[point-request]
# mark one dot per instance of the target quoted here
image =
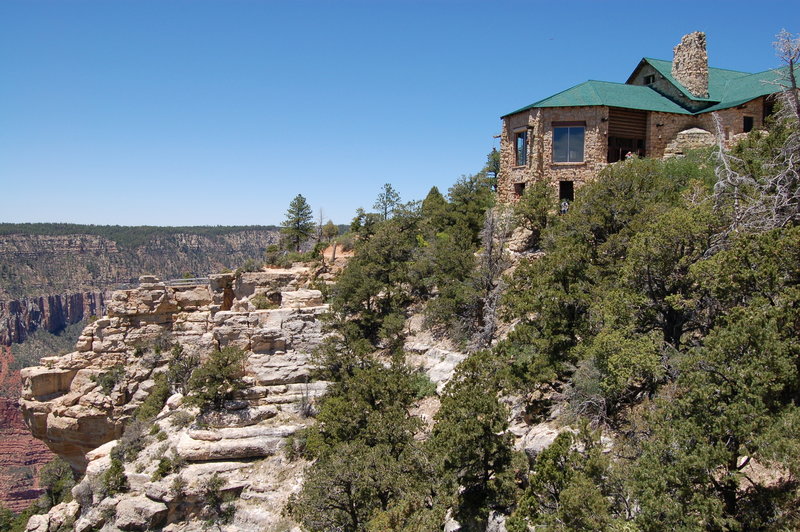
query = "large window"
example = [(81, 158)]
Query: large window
[(568, 143), (521, 147)]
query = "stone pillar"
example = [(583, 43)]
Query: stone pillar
[(690, 64)]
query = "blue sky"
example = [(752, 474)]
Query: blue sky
[(220, 112)]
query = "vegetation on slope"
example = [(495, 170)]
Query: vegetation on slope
[(655, 315)]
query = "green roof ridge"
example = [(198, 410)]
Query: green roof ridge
[(727, 88)]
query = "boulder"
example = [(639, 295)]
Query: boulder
[(140, 513), (301, 298), (539, 437), (689, 139), (232, 443)]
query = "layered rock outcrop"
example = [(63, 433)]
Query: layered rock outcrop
[(83, 404), (65, 406)]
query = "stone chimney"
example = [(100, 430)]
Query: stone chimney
[(690, 64)]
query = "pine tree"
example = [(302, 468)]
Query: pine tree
[(387, 201), (299, 222)]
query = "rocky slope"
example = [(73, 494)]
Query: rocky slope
[(65, 407), (241, 452)]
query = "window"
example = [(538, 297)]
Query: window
[(566, 191), (521, 147), (748, 124), (649, 80), (568, 142), (519, 189)]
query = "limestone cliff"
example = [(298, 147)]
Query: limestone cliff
[(64, 404)]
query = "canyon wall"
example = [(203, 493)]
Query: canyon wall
[(49, 281), (21, 455), (21, 317)]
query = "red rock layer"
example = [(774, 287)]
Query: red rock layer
[(21, 455)]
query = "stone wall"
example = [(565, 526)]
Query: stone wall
[(662, 129), (665, 87), (690, 64), (540, 164)]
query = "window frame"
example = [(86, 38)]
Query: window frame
[(520, 158), (569, 126)]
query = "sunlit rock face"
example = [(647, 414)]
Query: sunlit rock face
[(65, 406)]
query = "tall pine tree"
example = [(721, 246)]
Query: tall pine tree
[(299, 222)]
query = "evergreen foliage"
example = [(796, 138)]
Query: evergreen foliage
[(217, 379), (387, 201), (57, 479), (660, 311), (645, 314), (299, 222), (370, 471)]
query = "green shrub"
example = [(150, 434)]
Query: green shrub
[(262, 302), (113, 479), (218, 507), (164, 468), (181, 419), (346, 242), (216, 380), (162, 342), (295, 446), (250, 265), (422, 385), (131, 443), (154, 402), (272, 254), (57, 479), (178, 486), (109, 380), (181, 366)]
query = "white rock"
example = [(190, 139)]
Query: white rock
[(175, 401), (301, 298), (140, 513), (540, 437)]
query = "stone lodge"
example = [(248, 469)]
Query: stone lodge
[(662, 109)]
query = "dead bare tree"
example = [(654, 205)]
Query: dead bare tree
[(785, 184), (761, 203), (787, 47), (492, 262)]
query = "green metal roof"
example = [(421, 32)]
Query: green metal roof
[(726, 88), (745, 88), (718, 78), (609, 94)]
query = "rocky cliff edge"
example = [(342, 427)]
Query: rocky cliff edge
[(72, 404)]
